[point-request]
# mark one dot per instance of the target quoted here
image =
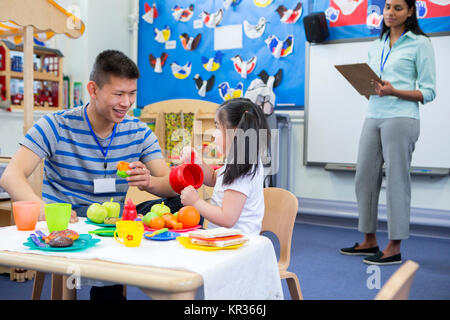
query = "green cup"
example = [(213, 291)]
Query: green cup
[(57, 216)]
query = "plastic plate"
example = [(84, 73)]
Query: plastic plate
[(163, 236), (83, 242), (99, 224), (178, 230)]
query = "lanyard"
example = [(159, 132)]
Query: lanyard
[(102, 149), (382, 63)]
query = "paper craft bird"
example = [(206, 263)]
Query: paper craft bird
[(162, 35), (262, 3), (181, 72), (158, 63), (212, 64), (280, 48), (275, 82), (290, 15), (255, 31), (228, 3), (227, 93), (181, 14), (190, 43), (211, 20), (151, 13), (244, 67), (203, 86)]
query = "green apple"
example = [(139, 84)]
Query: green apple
[(97, 213), (148, 217), (160, 209), (113, 209)]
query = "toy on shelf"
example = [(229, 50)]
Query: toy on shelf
[(129, 211)]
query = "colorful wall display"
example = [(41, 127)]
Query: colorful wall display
[(214, 50)]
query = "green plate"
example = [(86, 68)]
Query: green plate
[(83, 242), (99, 224)]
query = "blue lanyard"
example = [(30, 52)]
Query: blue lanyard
[(102, 149), (382, 63)]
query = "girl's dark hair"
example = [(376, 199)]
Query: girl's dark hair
[(411, 23), (113, 63), (250, 123)]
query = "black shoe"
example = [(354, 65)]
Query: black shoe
[(352, 251), (378, 260)]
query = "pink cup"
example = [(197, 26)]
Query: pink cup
[(26, 214)]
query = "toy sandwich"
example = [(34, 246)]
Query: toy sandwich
[(217, 237)]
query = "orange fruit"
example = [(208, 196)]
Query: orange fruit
[(188, 216), (157, 223)]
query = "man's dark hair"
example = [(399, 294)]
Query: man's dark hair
[(112, 63)]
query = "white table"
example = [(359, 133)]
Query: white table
[(161, 269)]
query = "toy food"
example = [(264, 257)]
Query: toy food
[(129, 211), (97, 213), (217, 237), (160, 209), (170, 221), (111, 220), (61, 242), (148, 217), (112, 208), (122, 168), (188, 216), (63, 233), (157, 223)]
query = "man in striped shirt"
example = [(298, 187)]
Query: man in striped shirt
[(82, 146)]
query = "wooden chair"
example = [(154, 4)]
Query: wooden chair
[(281, 208), (399, 284)]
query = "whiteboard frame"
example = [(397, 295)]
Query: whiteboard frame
[(308, 45)]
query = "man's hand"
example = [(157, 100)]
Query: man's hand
[(139, 176), (73, 217)]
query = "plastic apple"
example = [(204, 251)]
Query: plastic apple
[(113, 208), (148, 217), (160, 209), (97, 213)]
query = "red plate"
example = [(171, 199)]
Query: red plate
[(179, 230)]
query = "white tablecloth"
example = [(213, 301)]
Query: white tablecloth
[(249, 272)]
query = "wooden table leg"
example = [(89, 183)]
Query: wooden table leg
[(37, 285), (57, 286), (158, 295)]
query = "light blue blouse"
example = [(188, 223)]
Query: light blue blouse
[(409, 66)]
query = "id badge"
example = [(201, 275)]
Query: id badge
[(105, 185)]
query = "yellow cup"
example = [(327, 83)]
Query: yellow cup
[(129, 233)]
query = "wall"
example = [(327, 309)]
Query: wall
[(332, 193)]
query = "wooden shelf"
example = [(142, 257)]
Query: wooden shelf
[(42, 76)]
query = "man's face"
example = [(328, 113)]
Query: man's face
[(115, 98)]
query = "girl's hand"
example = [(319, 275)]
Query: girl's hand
[(189, 196), (384, 88)]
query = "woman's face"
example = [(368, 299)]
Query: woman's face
[(396, 12)]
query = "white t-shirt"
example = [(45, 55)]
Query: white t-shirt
[(252, 214)]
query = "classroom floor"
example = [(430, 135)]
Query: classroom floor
[(322, 271)]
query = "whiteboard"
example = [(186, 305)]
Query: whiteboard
[(335, 112)]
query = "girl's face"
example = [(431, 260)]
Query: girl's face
[(220, 136), (396, 12)]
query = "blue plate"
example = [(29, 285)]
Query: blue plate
[(83, 242), (169, 235)]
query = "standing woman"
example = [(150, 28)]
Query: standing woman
[(404, 58)]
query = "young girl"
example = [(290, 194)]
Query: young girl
[(403, 57), (238, 198)]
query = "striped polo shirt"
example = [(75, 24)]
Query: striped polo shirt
[(73, 159)]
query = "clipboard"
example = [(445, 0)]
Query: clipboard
[(359, 75)]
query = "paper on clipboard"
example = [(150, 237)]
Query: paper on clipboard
[(359, 75)]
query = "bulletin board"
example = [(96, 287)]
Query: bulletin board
[(154, 86)]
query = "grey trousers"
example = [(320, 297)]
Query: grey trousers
[(392, 142)]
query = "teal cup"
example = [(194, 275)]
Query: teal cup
[(57, 216)]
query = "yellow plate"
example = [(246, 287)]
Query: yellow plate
[(186, 242)]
